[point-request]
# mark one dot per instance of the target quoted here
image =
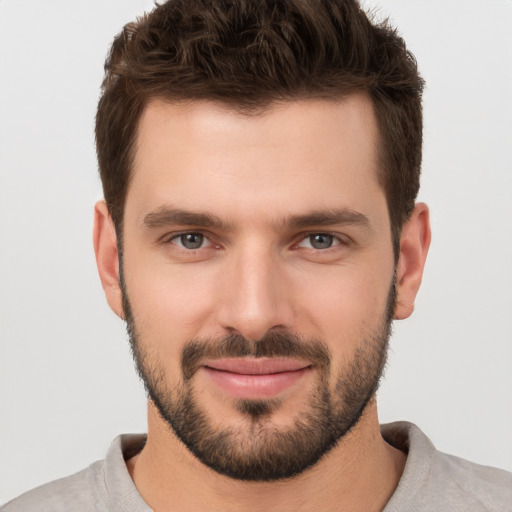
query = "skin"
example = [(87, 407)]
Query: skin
[(259, 273)]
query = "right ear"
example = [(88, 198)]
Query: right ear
[(107, 257)]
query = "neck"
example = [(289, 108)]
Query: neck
[(359, 474)]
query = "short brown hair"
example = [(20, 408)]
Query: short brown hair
[(248, 54)]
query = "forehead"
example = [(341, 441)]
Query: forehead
[(296, 155)]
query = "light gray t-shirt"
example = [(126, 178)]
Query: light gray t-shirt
[(432, 481)]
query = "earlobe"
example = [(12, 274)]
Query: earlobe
[(414, 244), (107, 256)]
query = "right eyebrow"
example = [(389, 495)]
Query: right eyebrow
[(166, 216)]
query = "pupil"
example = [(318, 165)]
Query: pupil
[(321, 241), (192, 240)]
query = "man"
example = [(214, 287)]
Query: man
[(260, 163)]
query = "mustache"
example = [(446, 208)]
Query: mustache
[(273, 344)]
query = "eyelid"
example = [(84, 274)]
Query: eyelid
[(169, 238), (339, 239)]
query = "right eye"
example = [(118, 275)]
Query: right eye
[(190, 241)]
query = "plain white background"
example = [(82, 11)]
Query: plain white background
[(67, 381)]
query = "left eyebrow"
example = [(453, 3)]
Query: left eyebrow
[(320, 218)]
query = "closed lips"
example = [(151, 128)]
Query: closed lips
[(256, 366), (255, 378)]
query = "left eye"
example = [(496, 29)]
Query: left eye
[(319, 241), (190, 241)]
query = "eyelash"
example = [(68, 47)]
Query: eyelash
[(334, 239), (178, 236), (338, 240)]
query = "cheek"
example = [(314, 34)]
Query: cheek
[(344, 305), (339, 304), (170, 305)]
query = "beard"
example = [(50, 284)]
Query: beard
[(260, 450)]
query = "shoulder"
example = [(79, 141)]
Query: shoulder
[(104, 486), (483, 487), (433, 480), (73, 492)]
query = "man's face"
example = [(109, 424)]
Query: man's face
[(258, 277)]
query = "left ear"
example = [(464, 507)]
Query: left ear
[(414, 244)]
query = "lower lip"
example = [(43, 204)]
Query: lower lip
[(254, 386)]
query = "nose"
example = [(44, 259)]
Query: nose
[(254, 296)]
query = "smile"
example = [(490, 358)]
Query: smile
[(255, 378)]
